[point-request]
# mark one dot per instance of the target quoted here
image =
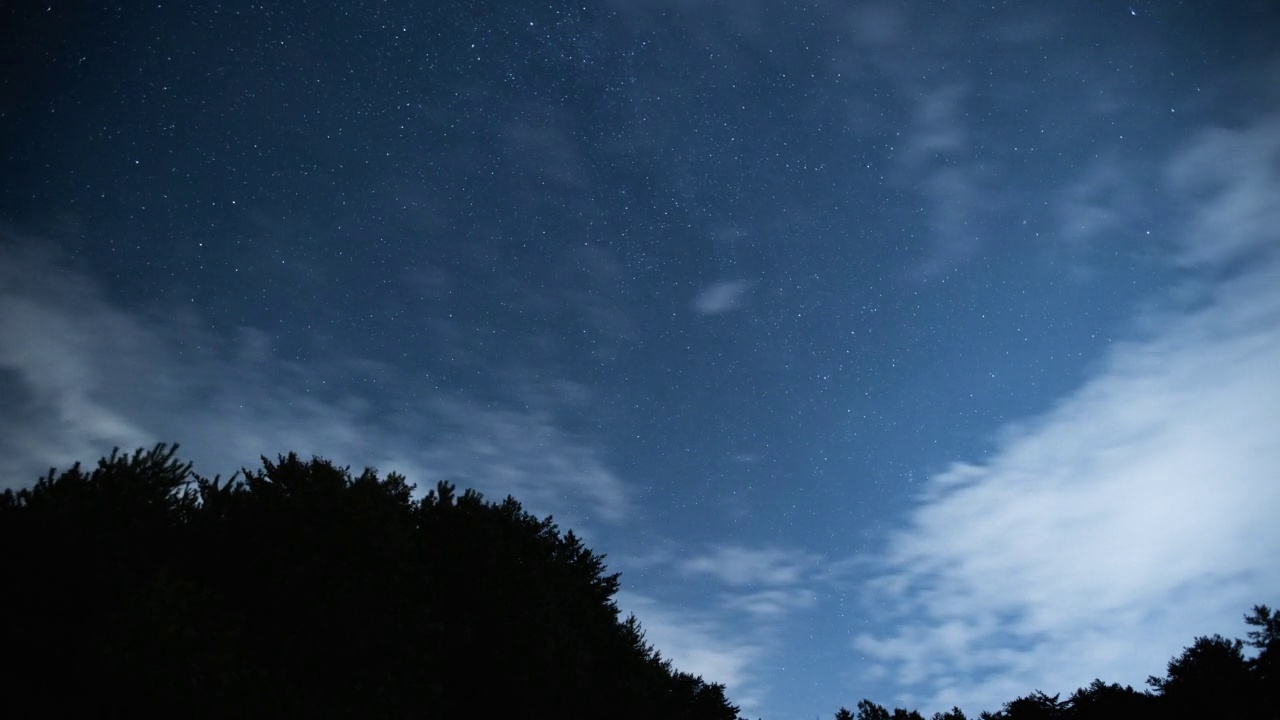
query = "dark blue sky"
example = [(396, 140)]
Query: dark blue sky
[(915, 351)]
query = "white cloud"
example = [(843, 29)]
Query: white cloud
[(59, 404), (1102, 537), (741, 566), (771, 604), (697, 643), (524, 454), (720, 297), (1231, 176), (728, 612), (81, 375)]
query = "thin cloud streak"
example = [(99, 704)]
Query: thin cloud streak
[(1100, 538), (741, 566)]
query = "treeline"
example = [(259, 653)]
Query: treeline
[(1213, 679), (139, 589)]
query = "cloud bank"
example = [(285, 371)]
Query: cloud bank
[(1102, 537)]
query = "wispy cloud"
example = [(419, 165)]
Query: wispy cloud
[(1100, 538), (739, 566), (720, 297), (525, 454), (1230, 177), (81, 374), (1099, 204), (766, 583), (772, 604), (728, 619), (699, 642), (60, 403)]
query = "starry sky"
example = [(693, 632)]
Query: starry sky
[(918, 351)]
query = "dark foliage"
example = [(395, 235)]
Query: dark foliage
[(1266, 666), (300, 590), (1209, 679), (868, 710), (1100, 701)]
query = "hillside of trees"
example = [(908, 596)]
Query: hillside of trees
[(302, 590)]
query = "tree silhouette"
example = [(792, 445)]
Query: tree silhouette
[(1210, 678), (1036, 706), (1266, 666), (868, 710), (302, 590), (1100, 701)]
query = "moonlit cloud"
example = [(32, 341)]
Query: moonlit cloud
[(60, 366), (1231, 177), (1099, 538), (740, 566), (84, 375), (733, 611), (697, 642), (524, 454), (1098, 205), (720, 297), (771, 604)]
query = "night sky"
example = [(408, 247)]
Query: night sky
[(918, 351)]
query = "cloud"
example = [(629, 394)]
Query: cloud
[(1231, 175), (740, 566), (937, 127), (772, 604), (60, 407), (877, 25), (524, 454), (697, 643), (1102, 537), (767, 584), (720, 297), (727, 611), (82, 374), (939, 162), (1099, 204)]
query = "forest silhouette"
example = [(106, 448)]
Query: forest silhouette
[(300, 589)]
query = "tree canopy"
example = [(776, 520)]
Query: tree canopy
[(302, 590)]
